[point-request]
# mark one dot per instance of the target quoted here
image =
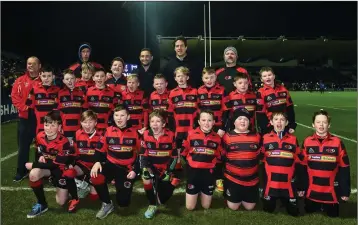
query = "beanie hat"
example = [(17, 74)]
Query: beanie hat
[(241, 112), (230, 48)]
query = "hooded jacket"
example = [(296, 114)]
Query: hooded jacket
[(76, 68)]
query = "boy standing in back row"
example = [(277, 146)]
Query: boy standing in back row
[(273, 97)]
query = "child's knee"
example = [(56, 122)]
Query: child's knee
[(60, 202)]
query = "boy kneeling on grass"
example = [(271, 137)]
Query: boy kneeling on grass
[(158, 159), (117, 156), (241, 147), (202, 148), (85, 143), (56, 160)]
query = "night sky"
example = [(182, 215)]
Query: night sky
[(53, 30)]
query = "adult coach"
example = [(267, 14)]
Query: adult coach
[(84, 53), (225, 75), (26, 127), (146, 71), (181, 58)]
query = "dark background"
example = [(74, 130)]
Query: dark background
[(54, 30)]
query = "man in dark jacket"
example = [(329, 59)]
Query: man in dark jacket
[(146, 71), (181, 58), (84, 53)]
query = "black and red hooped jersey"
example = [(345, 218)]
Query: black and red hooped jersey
[(158, 152), (85, 146), (276, 99), (214, 99), (241, 151), (183, 103), (102, 102), (137, 106), (84, 85), (158, 101), (323, 160), (117, 85), (57, 151), (225, 76), (71, 104), (202, 150), (43, 100), (280, 157), (121, 145)]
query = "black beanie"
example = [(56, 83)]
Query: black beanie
[(240, 112)]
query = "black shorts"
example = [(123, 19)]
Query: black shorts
[(237, 193), (165, 190), (332, 209), (200, 180), (86, 172), (118, 173), (57, 179)]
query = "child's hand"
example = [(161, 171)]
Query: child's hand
[(131, 175), (344, 198), (301, 193), (28, 166), (108, 75), (141, 131), (291, 131), (42, 159), (221, 133), (94, 171)]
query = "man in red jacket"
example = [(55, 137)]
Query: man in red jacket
[(27, 121)]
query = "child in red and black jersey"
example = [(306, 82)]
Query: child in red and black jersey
[(71, 102), (213, 96), (158, 160), (42, 97), (241, 147), (137, 105), (159, 98), (273, 97), (280, 151), (85, 143), (183, 108), (116, 159), (183, 105), (117, 81), (327, 164), (202, 148), (101, 100), (240, 98), (86, 81), (56, 155)]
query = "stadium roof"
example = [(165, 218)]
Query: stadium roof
[(280, 49)]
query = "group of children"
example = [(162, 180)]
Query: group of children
[(108, 131)]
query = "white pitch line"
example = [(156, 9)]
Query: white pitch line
[(345, 138), (179, 190), (322, 106), (8, 156)]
